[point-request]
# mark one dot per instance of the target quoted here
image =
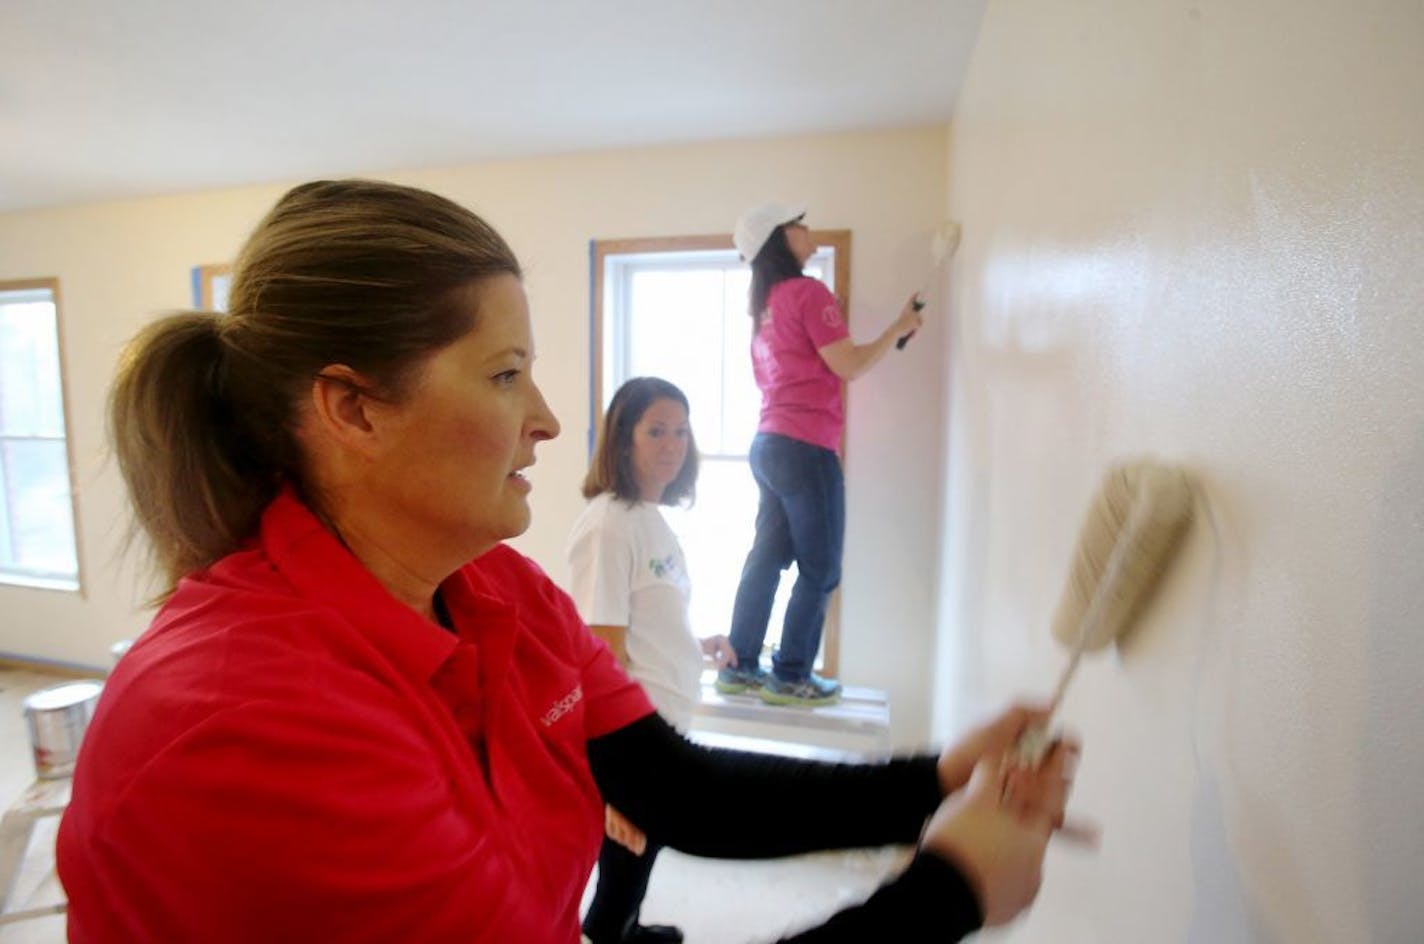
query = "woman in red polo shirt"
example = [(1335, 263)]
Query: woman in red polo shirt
[(358, 716)]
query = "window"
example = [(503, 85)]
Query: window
[(677, 308), (37, 539), (210, 287)]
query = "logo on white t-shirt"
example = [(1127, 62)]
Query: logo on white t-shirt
[(663, 566)]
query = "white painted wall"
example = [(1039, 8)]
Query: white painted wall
[(120, 263), (1194, 229)]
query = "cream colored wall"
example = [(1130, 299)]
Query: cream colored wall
[(119, 263), (1194, 229)]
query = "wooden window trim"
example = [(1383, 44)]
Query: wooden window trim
[(52, 284)]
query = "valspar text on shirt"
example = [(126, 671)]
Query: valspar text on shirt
[(563, 706)]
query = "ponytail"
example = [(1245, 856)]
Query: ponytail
[(197, 484), (774, 264)]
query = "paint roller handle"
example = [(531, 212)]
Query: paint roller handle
[(945, 242), (1035, 741), (1032, 746), (991, 738), (917, 304)]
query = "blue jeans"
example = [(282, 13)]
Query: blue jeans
[(801, 518)]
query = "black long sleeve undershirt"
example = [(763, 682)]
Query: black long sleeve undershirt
[(730, 804)]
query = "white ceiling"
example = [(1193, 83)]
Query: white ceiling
[(101, 99)]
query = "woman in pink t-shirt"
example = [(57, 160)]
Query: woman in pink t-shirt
[(802, 352)]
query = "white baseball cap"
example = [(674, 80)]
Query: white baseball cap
[(756, 226)]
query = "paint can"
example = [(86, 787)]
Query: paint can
[(57, 718)]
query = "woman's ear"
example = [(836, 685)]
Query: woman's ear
[(342, 407)]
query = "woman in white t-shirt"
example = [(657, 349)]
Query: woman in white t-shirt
[(631, 586)]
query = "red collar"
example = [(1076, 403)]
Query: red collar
[(324, 571)]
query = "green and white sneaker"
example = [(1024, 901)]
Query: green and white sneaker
[(735, 681), (809, 692)]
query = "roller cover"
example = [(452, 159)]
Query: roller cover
[(1144, 507)]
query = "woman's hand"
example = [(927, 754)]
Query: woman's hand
[(617, 827), (999, 854), (996, 831), (989, 740), (719, 650), (910, 319), (1041, 793)]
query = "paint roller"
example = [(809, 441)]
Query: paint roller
[(1127, 542), (942, 246)]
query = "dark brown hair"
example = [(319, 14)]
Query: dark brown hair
[(611, 468), (774, 264), (202, 413)]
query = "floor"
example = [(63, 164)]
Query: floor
[(35, 883), (714, 902)]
